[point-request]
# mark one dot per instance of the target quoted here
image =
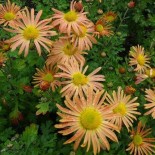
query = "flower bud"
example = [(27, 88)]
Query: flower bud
[(78, 6), (122, 70), (44, 85), (131, 4)]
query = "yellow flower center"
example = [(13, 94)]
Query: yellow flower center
[(90, 118), (48, 77), (79, 79), (110, 18), (69, 50), (137, 140), (70, 16), (9, 16), (30, 32), (141, 59), (120, 109), (99, 28), (150, 72), (82, 32)]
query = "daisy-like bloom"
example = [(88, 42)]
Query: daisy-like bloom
[(102, 28), (8, 13), (76, 79), (85, 39), (125, 108), (109, 16), (63, 51), (139, 59), (141, 144), (30, 29), (3, 58), (150, 97), (71, 20), (149, 73), (44, 78), (88, 119)]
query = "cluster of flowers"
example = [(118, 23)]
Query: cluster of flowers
[(90, 113), (141, 61)]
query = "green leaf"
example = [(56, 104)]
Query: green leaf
[(30, 134), (144, 119), (43, 108)]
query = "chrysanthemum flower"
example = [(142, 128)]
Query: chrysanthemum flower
[(28, 29), (141, 144), (71, 20), (44, 78), (85, 39), (109, 16), (76, 79), (140, 78), (63, 51), (8, 13), (150, 97), (102, 29), (3, 58), (88, 119), (125, 108), (139, 59), (149, 73)]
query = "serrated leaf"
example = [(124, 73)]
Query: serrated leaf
[(30, 134), (43, 108)]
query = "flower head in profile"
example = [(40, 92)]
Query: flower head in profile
[(109, 16), (141, 144), (75, 79), (29, 29), (139, 59), (85, 38), (125, 108), (150, 97), (149, 73), (64, 51), (102, 28), (71, 20), (45, 79), (9, 13), (88, 119)]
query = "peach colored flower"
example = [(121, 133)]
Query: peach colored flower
[(71, 20), (102, 28), (150, 97), (141, 144), (88, 119), (149, 73), (75, 79), (44, 78), (85, 39), (8, 13), (63, 51), (125, 108), (139, 59), (30, 29)]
